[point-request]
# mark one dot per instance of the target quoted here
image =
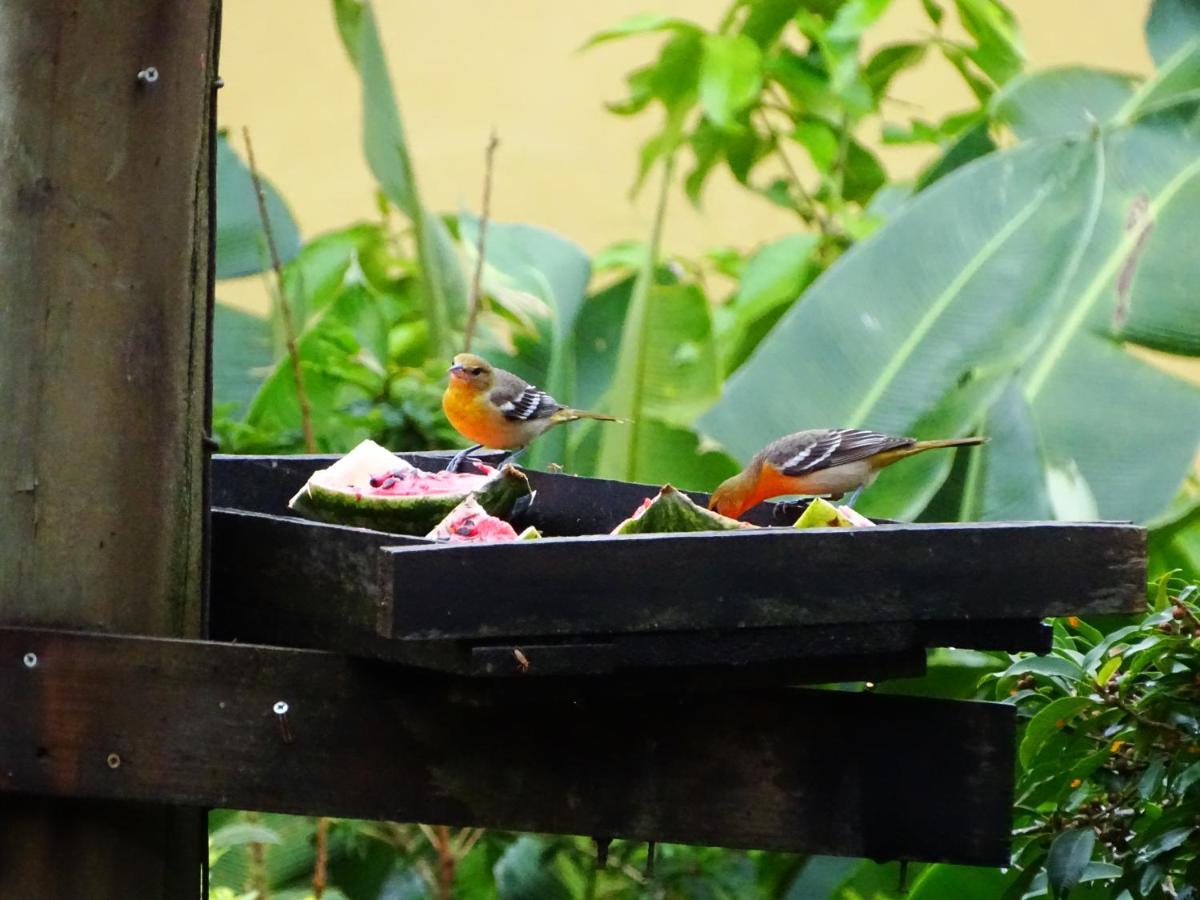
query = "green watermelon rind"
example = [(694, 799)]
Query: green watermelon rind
[(415, 515), (672, 512)]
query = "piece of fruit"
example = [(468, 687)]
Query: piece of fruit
[(372, 488), (470, 523), (672, 511), (821, 513)]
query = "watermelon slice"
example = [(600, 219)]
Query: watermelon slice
[(672, 511), (372, 488), (470, 523)]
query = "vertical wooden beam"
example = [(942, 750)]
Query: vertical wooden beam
[(105, 285)]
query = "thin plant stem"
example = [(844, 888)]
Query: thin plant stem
[(285, 309), (476, 291), (640, 300), (256, 870), (320, 879), (447, 862), (814, 208)]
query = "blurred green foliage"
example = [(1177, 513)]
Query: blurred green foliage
[(998, 292)]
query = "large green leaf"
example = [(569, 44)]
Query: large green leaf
[(1069, 856), (385, 144), (944, 882), (598, 341), (526, 872), (1157, 296), (1008, 481), (667, 369), (1004, 272), (1177, 83), (241, 243), (241, 355), (1072, 99), (1170, 25)]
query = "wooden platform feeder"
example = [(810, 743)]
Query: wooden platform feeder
[(637, 687)]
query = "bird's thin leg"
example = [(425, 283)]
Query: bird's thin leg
[(853, 496), (457, 459), (508, 459)]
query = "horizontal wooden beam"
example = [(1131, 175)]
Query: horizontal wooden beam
[(187, 722)]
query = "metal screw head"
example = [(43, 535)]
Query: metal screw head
[(113, 760), (30, 660), (280, 708), (148, 75)]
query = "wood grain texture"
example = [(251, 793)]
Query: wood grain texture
[(809, 771), (781, 577), (104, 236), (289, 582)]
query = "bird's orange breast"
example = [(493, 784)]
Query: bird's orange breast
[(474, 417)]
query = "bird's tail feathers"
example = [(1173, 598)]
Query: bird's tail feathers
[(887, 457), (949, 442), (570, 415)]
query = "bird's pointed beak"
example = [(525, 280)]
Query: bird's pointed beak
[(457, 371)]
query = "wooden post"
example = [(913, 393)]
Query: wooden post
[(105, 279)]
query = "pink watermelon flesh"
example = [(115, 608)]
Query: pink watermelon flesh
[(480, 528), (470, 523), (418, 483)]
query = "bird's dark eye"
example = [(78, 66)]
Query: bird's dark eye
[(477, 371)]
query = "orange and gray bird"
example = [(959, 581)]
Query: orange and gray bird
[(497, 409), (819, 462)]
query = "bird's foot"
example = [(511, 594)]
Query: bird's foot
[(457, 459), (788, 511)]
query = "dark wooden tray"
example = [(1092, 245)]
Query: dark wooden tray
[(801, 606)]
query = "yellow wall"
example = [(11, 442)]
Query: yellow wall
[(462, 66)]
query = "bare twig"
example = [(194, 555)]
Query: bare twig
[(447, 862), (285, 310), (256, 870), (814, 208), (320, 879), (466, 840), (839, 172), (476, 292)]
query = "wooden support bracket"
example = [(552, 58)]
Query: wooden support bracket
[(229, 725)]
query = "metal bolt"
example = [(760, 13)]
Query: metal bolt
[(219, 83), (30, 660), (281, 710), (148, 75), (113, 760)]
